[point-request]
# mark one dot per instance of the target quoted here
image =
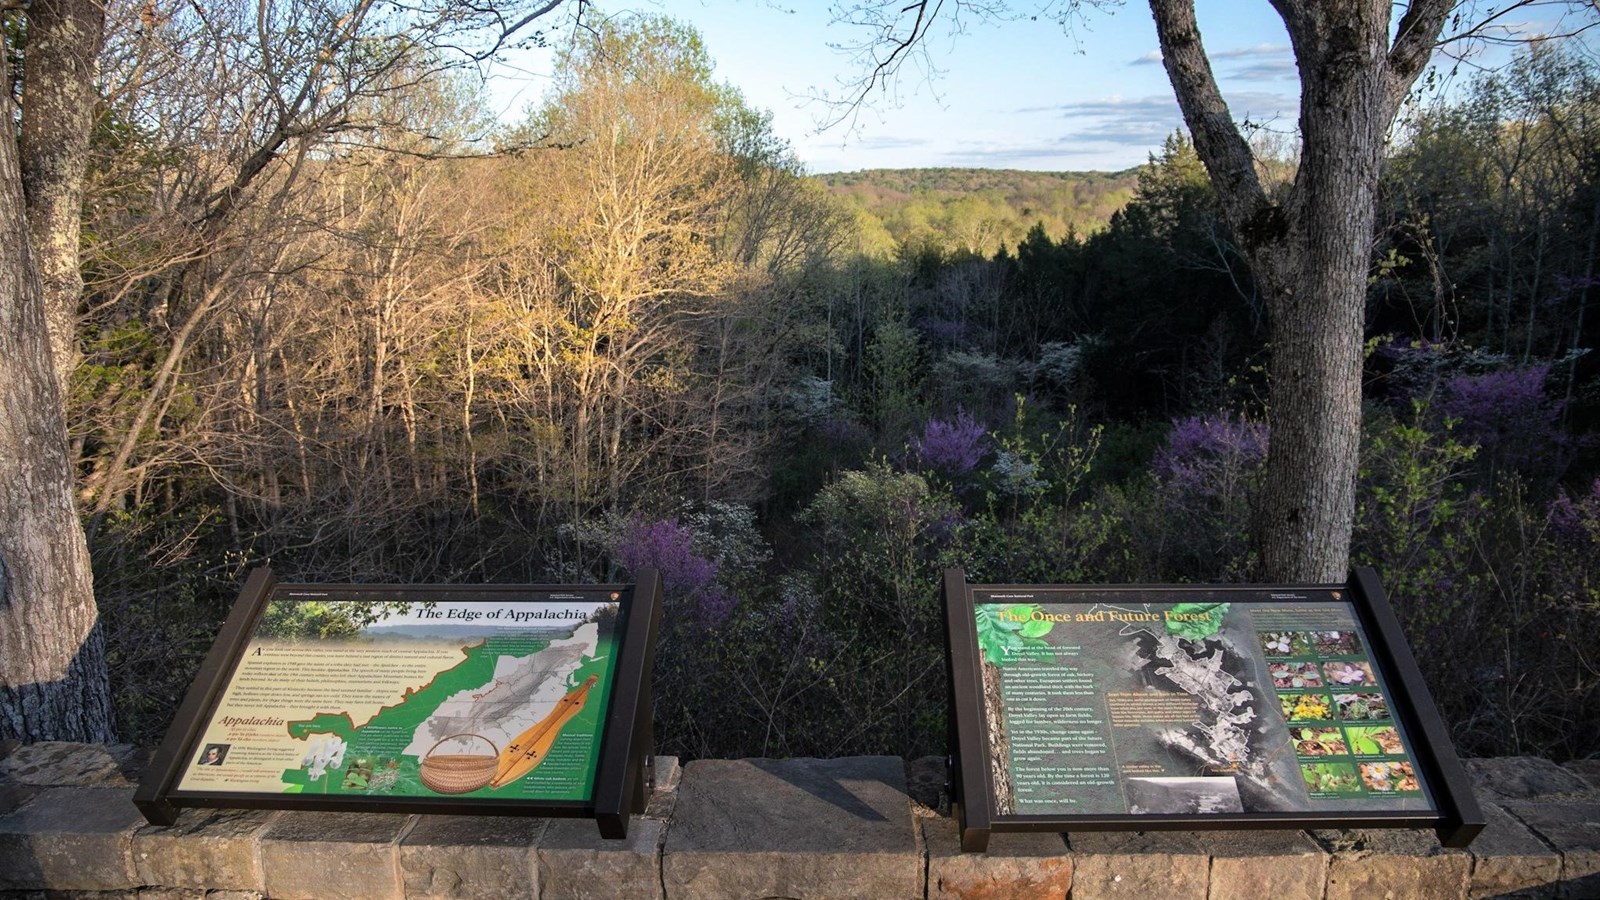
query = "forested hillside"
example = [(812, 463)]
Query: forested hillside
[(635, 332), (976, 210)]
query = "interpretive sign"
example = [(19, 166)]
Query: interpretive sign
[(1134, 708), (501, 699)]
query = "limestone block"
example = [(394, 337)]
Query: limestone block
[(667, 775), (12, 795), (1173, 864), (333, 856), (1522, 778), (925, 782), (797, 828), (133, 761), (1508, 860), (1573, 829), (70, 895), (1284, 865), (70, 839), (470, 857), (1393, 862), (1015, 867), (576, 863), (218, 849), (234, 895), (664, 795), (59, 764), (1587, 769)]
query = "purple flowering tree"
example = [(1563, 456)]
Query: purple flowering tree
[(1508, 415), (688, 579), (1207, 455), (1203, 488), (951, 448), (1576, 522)]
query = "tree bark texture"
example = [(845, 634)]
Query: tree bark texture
[(53, 681), (60, 104), (1310, 250)]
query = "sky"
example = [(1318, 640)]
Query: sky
[(1020, 94)]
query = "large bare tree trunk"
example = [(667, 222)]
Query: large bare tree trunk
[(1317, 317), (53, 682), (1310, 251), (64, 40)]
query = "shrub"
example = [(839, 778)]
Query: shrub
[(1415, 519), (1205, 482), (1207, 455), (881, 541)]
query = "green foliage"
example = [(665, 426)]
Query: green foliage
[(980, 210), (881, 540), (1040, 455), (323, 620), (1415, 520), (116, 364), (892, 364), (1196, 621), (1010, 633), (1492, 211), (1049, 543)]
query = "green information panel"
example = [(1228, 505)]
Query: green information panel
[(1100, 707), (483, 699)]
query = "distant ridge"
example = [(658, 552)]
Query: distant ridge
[(980, 210)]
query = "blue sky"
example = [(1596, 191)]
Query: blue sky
[(1018, 94)]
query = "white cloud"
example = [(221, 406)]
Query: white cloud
[(890, 143), (1257, 52)]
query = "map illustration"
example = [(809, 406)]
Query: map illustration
[(521, 691)]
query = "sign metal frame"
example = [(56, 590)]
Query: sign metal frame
[(624, 767), (1456, 816)]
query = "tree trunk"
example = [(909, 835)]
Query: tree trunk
[(53, 681), (64, 40), (1312, 252), (1318, 323)]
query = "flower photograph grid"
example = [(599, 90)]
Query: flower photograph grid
[(1340, 724)]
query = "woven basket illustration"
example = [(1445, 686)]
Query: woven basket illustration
[(458, 773)]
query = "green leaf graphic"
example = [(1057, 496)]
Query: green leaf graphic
[(1196, 621), (1037, 628)]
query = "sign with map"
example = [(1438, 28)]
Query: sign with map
[(1192, 707), (493, 699)]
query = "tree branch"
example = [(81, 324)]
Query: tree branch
[(886, 67), (1414, 42), (1217, 140)]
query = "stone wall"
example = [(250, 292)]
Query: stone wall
[(869, 827)]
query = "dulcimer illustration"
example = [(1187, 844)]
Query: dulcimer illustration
[(529, 749)]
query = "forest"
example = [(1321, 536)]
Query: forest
[(355, 342), (977, 210)]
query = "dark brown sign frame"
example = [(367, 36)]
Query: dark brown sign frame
[(623, 773), (1454, 813)]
